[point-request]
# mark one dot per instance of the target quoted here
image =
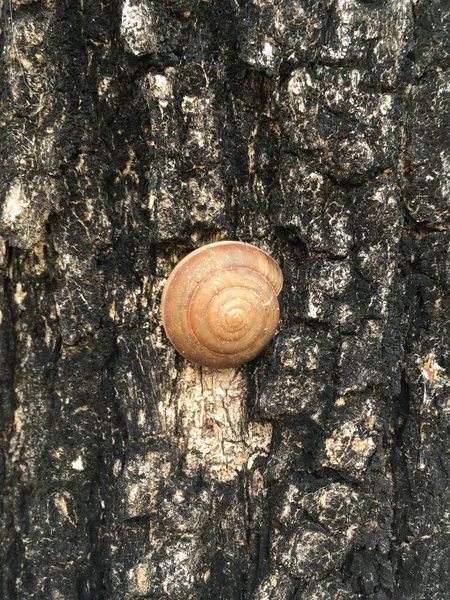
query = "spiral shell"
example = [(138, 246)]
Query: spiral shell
[(220, 306)]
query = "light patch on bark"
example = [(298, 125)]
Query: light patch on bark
[(61, 504), (16, 203), (143, 480), (64, 503), (160, 87), (445, 180), (267, 51), (313, 311), (348, 443), (78, 464), (139, 580), (251, 149), (137, 28), (169, 571), (25, 210), (17, 438), (275, 582), (3, 250), (212, 423), (19, 295), (351, 14)]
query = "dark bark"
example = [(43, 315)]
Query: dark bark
[(133, 133)]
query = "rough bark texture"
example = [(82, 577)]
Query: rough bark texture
[(135, 132)]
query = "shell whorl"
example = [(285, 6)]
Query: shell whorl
[(220, 306)]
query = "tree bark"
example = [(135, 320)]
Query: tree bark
[(136, 131)]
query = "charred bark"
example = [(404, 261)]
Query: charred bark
[(136, 131)]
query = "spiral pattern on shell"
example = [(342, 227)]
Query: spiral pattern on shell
[(220, 306)]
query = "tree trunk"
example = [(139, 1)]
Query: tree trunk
[(133, 133)]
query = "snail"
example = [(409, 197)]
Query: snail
[(219, 305)]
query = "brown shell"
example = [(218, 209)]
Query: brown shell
[(220, 306)]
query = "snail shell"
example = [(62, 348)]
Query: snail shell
[(220, 306)]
